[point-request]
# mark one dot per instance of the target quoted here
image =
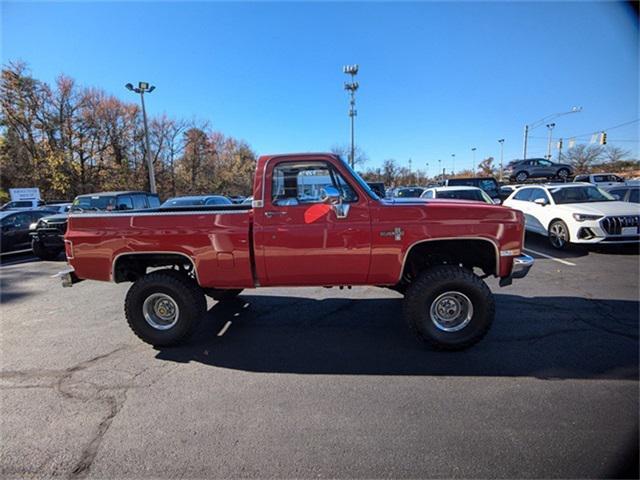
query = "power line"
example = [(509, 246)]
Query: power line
[(603, 129)]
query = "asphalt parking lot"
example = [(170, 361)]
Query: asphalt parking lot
[(316, 382)]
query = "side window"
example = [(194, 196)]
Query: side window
[(297, 183), (428, 194), (544, 163), (634, 196), (523, 194), (139, 202), (22, 220), (124, 203), (154, 201), (537, 193)]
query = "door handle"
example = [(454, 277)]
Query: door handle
[(274, 214)]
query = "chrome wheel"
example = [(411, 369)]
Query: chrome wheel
[(451, 311), (558, 235), (160, 311), (563, 174)]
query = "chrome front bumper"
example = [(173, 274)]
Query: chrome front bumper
[(521, 266)]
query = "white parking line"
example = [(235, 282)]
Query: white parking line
[(224, 329), (559, 260)]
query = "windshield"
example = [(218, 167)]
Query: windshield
[(580, 195), (96, 202), (181, 202), (489, 185), (360, 181), (474, 195)]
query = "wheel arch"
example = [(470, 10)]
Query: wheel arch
[(129, 266), (489, 259)]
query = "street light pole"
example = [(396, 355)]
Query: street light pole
[(550, 127), (141, 89), (453, 162), (537, 123), (440, 168), (351, 87), (501, 142), (473, 167)]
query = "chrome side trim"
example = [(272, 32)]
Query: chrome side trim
[(157, 214), (123, 254), (406, 255)]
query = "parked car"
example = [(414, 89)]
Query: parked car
[(601, 180), (506, 190), (521, 170), (460, 193), (47, 235), (236, 199), (109, 201), (576, 213), (488, 184), (15, 228), (247, 201), (192, 200), (345, 236), (21, 205), (407, 192), (378, 188), (58, 207), (630, 193)]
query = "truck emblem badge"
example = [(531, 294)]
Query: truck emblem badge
[(396, 233)]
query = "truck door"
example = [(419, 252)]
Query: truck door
[(305, 241)]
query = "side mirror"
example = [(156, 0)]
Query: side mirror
[(540, 201), (330, 195), (497, 201)]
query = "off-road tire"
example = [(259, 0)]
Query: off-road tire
[(182, 289), (221, 295), (432, 283), (44, 253)]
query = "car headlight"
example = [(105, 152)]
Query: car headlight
[(581, 217)]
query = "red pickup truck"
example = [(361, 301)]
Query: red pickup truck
[(313, 222)]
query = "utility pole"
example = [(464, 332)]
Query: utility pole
[(473, 167), (501, 142), (560, 151), (351, 87), (550, 127), (141, 89), (537, 123)]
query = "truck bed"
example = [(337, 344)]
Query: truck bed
[(216, 240)]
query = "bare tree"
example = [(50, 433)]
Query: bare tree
[(615, 154), (344, 151), (582, 156)]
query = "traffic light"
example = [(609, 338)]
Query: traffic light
[(603, 138)]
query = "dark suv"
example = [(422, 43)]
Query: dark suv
[(521, 170), (47, 240)]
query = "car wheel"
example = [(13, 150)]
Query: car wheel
[(44, 253), (163, 307), (559, 234), (449, 308), (522, 177), (563, 174)]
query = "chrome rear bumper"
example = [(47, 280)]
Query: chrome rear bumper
[(68, 277)]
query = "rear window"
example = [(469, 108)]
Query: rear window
[(474, 195), (409, 192)]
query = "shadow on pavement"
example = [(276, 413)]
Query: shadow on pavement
[(544, 337)]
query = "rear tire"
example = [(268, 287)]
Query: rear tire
[(44, 253), (563, 174), (521, 177), (449, 308), (222, 295), (163, 307)]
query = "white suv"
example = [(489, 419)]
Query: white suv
[(576, 213)]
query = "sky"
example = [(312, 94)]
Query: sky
[(436, 78)]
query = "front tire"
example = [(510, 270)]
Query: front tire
[(559, 235), (449, 308), (44, 253), (163, 307), (563, 174)]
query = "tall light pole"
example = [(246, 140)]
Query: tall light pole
[(501, 142), (550, 127), (426, 172), (439, 168), (473, 152), (351, 87), (141, 89), (537, 123), (453, 162)]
